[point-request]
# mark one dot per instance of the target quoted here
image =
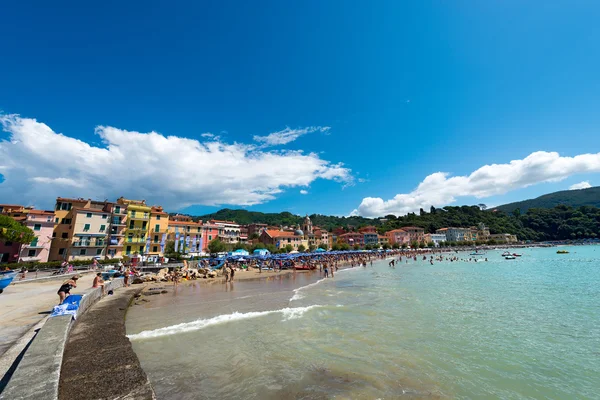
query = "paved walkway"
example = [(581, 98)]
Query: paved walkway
[(23, 306)]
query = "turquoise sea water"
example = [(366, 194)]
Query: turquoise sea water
[(512, 329)]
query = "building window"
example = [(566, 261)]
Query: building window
[(61, 252), (64, 235), (37, 227), (88, 215), (157, 228), (98, 252), (158, 217), (82, 252), (56, 220), (86, 227), (31, 253), (155, 238), (128, 249), (104, 216), (209, 238), (102, 228), (155, 249), (117, 209), (34, 242), (53, 234)]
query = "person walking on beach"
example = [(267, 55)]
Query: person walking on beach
[(226, 272), (326, 271), (232, 274), (65, 288)]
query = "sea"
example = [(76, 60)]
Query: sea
[(527, 328)]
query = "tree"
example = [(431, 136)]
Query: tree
[(254, 236), (334, 247), (385, 246), (345, 247), (301, 248), (12, 231), (288, 248), (396, 246), (312, 248), (323, 246), (430, 245), (422, 245), (216, 246), (414, 244), (357, 247), (404, 246), (238, 246)]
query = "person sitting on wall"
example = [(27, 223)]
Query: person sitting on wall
[(99, 282)]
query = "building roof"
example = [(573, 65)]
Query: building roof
[(397, 230), (179, 223), (274, 233), (216, 221), (41, 212), (442, 229), (158, 210), (413, 227), (90, 210)]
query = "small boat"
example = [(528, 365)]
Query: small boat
[(517, 255), (6, 277), (562, 252), (510, 257), (506, 253), (477, 254)]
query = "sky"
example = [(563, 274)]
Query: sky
[(329, 107)]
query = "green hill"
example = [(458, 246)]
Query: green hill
[(573, 198), (287, 219)]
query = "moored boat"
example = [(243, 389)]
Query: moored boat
[(562, 252), (6, 277), (510, 257)]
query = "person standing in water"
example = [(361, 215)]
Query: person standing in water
[(326, 271)]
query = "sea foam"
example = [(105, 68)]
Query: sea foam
[(288, 314), (298, 295)]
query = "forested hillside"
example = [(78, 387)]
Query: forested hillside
[(573, 198)]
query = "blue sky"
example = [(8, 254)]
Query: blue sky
[(407, 89)]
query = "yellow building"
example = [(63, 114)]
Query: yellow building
[(159, 228), (138, 227)]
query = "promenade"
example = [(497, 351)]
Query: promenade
[(24, 305)]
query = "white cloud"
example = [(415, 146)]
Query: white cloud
[(38, 165), (207, 135), (580, 185), (289, 135), (440, 189), (304, 191)]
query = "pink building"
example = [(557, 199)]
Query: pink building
[(42, 224), (399, 236), (209, 233)]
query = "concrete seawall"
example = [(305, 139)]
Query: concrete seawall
[(38, 373)]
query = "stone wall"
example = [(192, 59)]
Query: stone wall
[(37, 375)]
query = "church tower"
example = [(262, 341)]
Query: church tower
[(307, 227)]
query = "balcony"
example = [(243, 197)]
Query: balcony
[(118, 223), (137, 229), (135, 240), (139, 216), (89, 244)]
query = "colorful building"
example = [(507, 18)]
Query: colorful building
[(138, 227), (187, 236), (209, 233), (281, 239), (116, 233), (40, 222), (229, 231), (436, 238), (415, 233), (398, 236), (65, 244), (159, 230), (352, 238)]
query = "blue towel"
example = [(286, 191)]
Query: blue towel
[(68, 307)]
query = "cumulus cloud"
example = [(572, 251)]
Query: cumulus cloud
[(39, 164), (440, 189), (580, 185), (289, 135), (304, 191)]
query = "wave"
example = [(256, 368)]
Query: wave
[(297, 292), (288, 314)]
